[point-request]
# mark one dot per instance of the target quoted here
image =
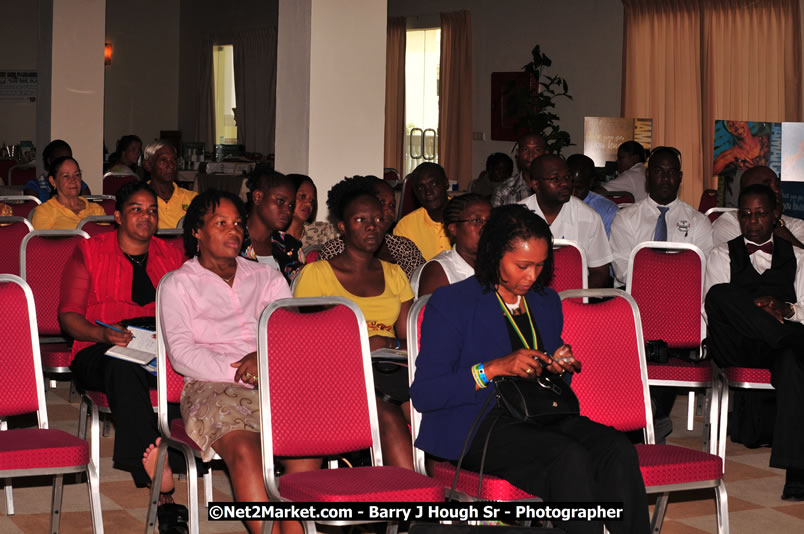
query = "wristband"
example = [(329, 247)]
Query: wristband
[(482, 373), (476, 375)]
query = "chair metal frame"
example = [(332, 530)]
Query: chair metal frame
[(561, 243), (96, 219), (92, 469), (22, 198), (5, 221), (24, 167), (712, 396), (717, 210), (719, 485)]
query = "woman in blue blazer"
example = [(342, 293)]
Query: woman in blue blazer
[(504, 321)]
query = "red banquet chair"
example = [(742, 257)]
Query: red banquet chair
[(12, 232), (407, 202), (43, 256), (112, 182), (708, 200), (97, 224), (107, 202), (174, 237), (40, 450), (5, 166), (714, 213), (621, 198), (570, 271), (607, 338), (666, 281), (493, 488), (21, 205), (21, 174), (318, 399)]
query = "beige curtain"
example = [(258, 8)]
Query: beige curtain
[(255, 88), (455, 97), (687, 63), (205, 127), (395, 93)]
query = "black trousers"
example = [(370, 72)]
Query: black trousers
[(574, 459), (126, 386), (741, 334)]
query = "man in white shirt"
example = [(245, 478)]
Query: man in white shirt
[(754, 307), (631, 169), (660, 217), (569, 217), (517, 187), (726, 227)]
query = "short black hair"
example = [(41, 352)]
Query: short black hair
[(428, 167), (298, 180), (122, 145), (201, 205), (459, 203), (264, 177), (348, 189), (47, 153), (500, 157), (129, 190), (633, 148), (759, 190), (507, 224)]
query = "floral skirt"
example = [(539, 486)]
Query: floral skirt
[(212, 409)]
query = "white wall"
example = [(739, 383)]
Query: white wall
[(582, 37), (142, 83)]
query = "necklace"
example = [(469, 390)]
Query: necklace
[(228, 280), (134, 260), (535, 344), (515, 305)]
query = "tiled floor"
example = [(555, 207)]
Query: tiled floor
[(753, 488)]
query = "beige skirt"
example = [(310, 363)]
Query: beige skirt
[(212, 409)]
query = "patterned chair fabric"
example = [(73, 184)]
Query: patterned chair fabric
[(12, 231), (570, 266)]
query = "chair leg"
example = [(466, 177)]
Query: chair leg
[(723, 421), (93, 487), (691, 410), (207, 487), (192, 490), (83, 411), (9, 493), (94, 435), (73, 393), (156, 483), (722, 504), (107, 427), (55, 505), (658, 513)]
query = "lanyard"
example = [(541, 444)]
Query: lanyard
[(510, 318)]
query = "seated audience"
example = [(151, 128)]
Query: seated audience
[(660, 217), (425, 226), (40, 187), (273, 196), (631, 169), (727, 227), (464, 219), (504, 321), (517, 187), (68, 207), (394, 249), (568, 217), (754, 307), (499, 168), (382, 292), (112, 277), (162, 167), (303, 225), (210, 310), (126, 156), (582, 174)]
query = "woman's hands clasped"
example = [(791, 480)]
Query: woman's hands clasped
[(246, 369), (529, 363)]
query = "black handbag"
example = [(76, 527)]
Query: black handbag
[(542, 399)]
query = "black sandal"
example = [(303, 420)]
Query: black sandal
[(172, 518)]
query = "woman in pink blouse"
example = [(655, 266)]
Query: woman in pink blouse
[(210, 310)]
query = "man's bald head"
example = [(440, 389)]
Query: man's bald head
[(539, 165)]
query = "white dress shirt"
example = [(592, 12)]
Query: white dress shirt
[(632, 180), (636, 224), (718, 271), (727, 227), (455, 268), (580, 223)]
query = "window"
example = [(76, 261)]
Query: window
[(223, 71), (422, 64)]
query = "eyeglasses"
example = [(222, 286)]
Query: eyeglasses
[(474, 221), (759, 214)]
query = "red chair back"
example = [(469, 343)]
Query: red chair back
[(21, 174), (174, 237), (19, 349), (408, 202), (329, 383), (5, 166), (97, 225), (708, 200), (312, 253), (619, 197), (607, 339), (107, 202), (21, 205), (570, 266), (667, 284), (390, 174), (113, 182), (44, 253), (12, 231), (714, 213)]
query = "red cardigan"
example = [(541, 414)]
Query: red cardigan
[(97, 280)]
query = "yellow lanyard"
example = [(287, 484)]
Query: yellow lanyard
[(510, 317)]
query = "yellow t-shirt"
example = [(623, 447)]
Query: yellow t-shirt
[(54, 216), (429, 236), (317, 279), (173, 210)]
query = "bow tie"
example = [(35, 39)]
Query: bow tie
[(767, 248)]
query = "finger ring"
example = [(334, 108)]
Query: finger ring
[(255, 377), (247, 375), (529, 370)]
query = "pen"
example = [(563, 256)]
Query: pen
[(101, 323)]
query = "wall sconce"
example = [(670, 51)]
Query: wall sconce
[(107, 54)]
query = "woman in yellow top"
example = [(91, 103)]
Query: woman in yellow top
[(382, 292), (65, 210)]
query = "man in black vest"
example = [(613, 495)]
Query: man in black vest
[(755, 308)]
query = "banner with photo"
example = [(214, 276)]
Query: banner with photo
[(603, 135), (740, 145)]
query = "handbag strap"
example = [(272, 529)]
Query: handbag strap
[(466, 446)]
